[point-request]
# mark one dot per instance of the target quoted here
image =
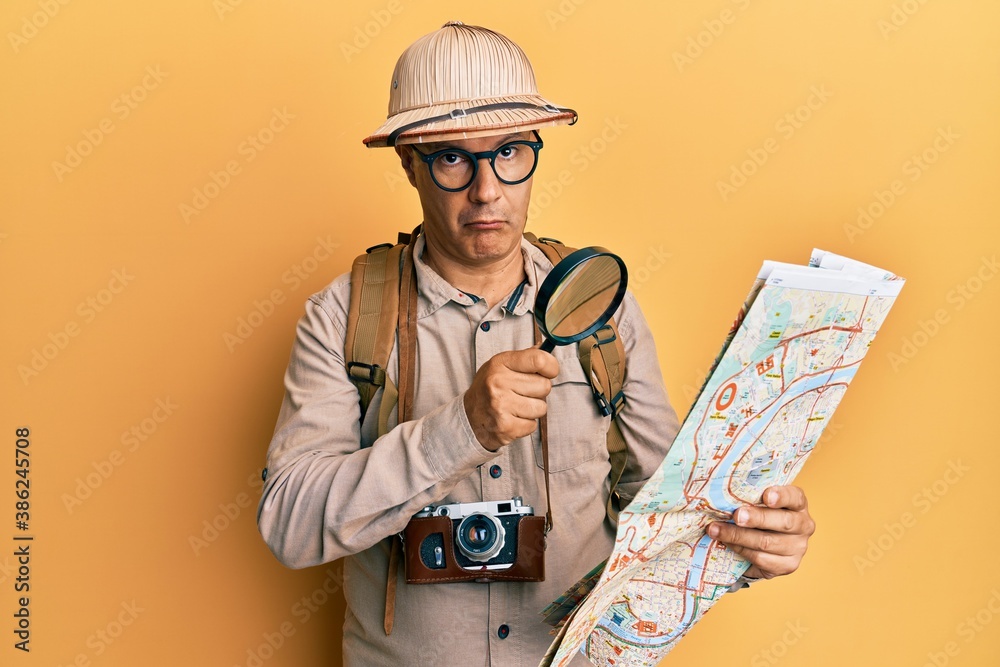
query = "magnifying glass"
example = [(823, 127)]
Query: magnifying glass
[(579, 296)]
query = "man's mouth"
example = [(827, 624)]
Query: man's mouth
[(485, 224)]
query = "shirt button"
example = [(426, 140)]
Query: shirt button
[(503, 631), (485, 326), (495, 471)]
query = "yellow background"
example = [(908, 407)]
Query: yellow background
[(892, 76)]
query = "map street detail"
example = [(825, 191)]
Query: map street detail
[(792, 351)]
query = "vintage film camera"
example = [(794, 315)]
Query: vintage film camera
[(487, 541)]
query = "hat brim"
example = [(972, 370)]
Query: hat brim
[(484, 123)]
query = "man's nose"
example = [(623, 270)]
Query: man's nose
[(485, 186)]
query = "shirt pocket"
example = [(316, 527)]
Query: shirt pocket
[(577, 432)]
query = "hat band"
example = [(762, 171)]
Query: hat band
[(459, 113)]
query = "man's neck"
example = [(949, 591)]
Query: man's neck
[(491, 282)]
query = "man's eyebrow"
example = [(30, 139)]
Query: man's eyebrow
[(503, 139)]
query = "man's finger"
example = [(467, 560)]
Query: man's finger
[(768, 565), (523, 407), (759, 540), (532, 360), (531, 386), (785, 497), (777, 520)]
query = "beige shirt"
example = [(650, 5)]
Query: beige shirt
[(333, 492)]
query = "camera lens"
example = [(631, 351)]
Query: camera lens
[(480, 537)]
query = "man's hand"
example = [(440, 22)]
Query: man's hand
[(772, 538), (507, 396)]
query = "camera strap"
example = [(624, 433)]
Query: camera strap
[(543, 435), (407, 332)]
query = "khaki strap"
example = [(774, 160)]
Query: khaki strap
[(389, 398), (407, 321), (543, 435), (553, 249), (407, 335), (395, 551), (605, 373), (619, 458), (602, 356), (371, 334)]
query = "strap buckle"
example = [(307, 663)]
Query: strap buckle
[(612, 407), (455, 114), (602, 404), (609, 335), (551, 108), (617, 403), (370, 373)]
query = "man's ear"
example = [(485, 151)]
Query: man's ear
[(405, 154)]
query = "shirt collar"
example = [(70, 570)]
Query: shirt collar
[(433, 291)]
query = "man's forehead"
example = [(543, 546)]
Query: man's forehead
[(491, 141)]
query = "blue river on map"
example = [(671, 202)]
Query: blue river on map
[(719, 498)]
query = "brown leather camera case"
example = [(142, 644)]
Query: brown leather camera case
[(529, 565)]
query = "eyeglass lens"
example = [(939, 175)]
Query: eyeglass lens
[(512, 163)]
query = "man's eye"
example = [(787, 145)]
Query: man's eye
[(451, 159), (508, 151)]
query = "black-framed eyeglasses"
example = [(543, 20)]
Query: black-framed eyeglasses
[(454, 169)]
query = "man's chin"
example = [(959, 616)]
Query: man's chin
[(492, 241)]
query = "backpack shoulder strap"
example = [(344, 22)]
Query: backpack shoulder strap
[(554, 250), (602, 356), (371, 325), (372, 321)]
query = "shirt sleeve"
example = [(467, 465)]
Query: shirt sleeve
[(325, 496), (648, 422)]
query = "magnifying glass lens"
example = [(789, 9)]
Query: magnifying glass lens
[(579, 296)]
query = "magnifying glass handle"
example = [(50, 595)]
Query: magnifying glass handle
[(548, 345)]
